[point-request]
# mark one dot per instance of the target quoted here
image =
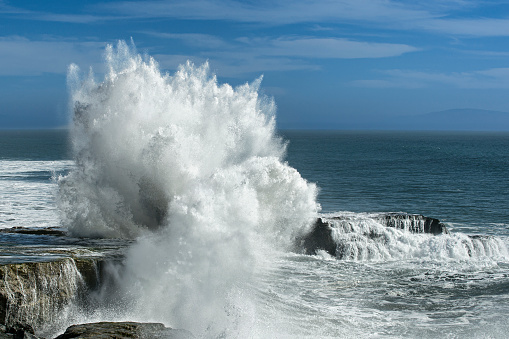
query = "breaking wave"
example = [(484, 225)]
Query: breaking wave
[(193, 170)]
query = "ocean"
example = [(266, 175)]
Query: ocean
[(215, 200), (460, 178)]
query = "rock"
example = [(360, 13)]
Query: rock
[(119, 330), (17, 332), (32, 294), (43, 271), (414, 223), (321, 236)]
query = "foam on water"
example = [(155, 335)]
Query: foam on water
[(28, 193), (191, 168), (364, 236)]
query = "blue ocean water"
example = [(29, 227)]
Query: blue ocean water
[(417, 291), (457, 177), (34, 145)]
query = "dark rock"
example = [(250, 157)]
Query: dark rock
[(414, 223), (17, 332), (320, 238), (120, 330), (321, 235)]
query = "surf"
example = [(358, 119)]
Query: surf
[(195, 172)]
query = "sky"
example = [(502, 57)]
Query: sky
[(329, 64)]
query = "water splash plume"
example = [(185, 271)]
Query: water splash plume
[(193, 170)]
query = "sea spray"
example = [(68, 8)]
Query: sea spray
[(194, 171)]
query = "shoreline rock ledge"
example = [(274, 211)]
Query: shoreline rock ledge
[(322, 235), (43, 271), (120, 330)]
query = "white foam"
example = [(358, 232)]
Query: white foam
[(361, 236), (193, 169), (27, 199)]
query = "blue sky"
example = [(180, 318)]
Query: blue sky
[(328, 64)]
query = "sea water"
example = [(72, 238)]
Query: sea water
[(196, 172)]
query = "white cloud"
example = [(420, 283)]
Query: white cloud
[(433, 16), (238, 66), (334, 48), (193, 39), (256, 55), (439, 16), (479, 27), (21, 56), (24, 14), (294, 47), (269, 12), (483, 79)]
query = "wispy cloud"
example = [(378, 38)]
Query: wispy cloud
[(7, 9), (254, 55), (233, 59), (295, 46), (207, 41), (434, 16), (490, 78), (71, 18), (269, 12), (21, 56), (30, 15), (333, 48), (478, 27)]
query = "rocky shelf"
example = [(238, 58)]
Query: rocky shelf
[(44, 270), (321, 236)]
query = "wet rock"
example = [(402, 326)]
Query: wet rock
[(321, 236), (120, 330), (414, 223), (32, 294), (17, 332), (43, 271)]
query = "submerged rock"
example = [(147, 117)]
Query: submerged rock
[(321, 236), (120, 330)]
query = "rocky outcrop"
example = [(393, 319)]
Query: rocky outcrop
[(321, 236), (17, 332), (120, 330), (34, 293), (414, 223), (43, 272)]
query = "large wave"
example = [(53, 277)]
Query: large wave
[(193, 170)]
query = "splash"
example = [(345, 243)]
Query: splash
[(193, 170)]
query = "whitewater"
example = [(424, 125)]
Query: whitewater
[(196, 175), (193, 170)]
